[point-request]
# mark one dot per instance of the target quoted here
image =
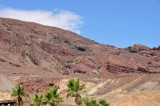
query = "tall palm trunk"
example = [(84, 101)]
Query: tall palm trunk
[(19, 101)]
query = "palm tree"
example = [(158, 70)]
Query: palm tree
[(18, 94), (90, 102), (38, 100), (74, 87), (52, 97), (93, 102)]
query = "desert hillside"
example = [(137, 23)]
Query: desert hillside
[(38, 57)]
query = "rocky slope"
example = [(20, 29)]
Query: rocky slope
[(58, 51), (38, 57)]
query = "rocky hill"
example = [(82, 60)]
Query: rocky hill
[(62, 52), (37, 56)]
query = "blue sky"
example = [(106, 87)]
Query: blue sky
[(121, 23)]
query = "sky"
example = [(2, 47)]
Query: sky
[(120, 23)]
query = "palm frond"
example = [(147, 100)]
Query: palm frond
[(18, 92), (52, 96), (74, 87), (38, 100), (14, 93), (103, 102)]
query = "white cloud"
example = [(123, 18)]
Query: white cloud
[(62, 19)]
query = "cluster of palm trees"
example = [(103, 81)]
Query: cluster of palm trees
[(53, 98)]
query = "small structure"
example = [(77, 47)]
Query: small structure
[(8, 103)]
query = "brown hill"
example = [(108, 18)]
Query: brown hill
[(37, 56), (58, 51)]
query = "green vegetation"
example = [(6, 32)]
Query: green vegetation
[(38, 100), (90, 102), (103, 102), (18, 94), (74, 88), (52, 96), (93, 102)]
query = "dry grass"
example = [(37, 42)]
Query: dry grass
[(5, 95)]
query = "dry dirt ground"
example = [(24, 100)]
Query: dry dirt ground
[(137, 91)]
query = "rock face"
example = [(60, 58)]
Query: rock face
[(29, 46), (138, 48), (31, 53)]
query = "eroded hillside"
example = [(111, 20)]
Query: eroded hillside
[(38, 57)]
